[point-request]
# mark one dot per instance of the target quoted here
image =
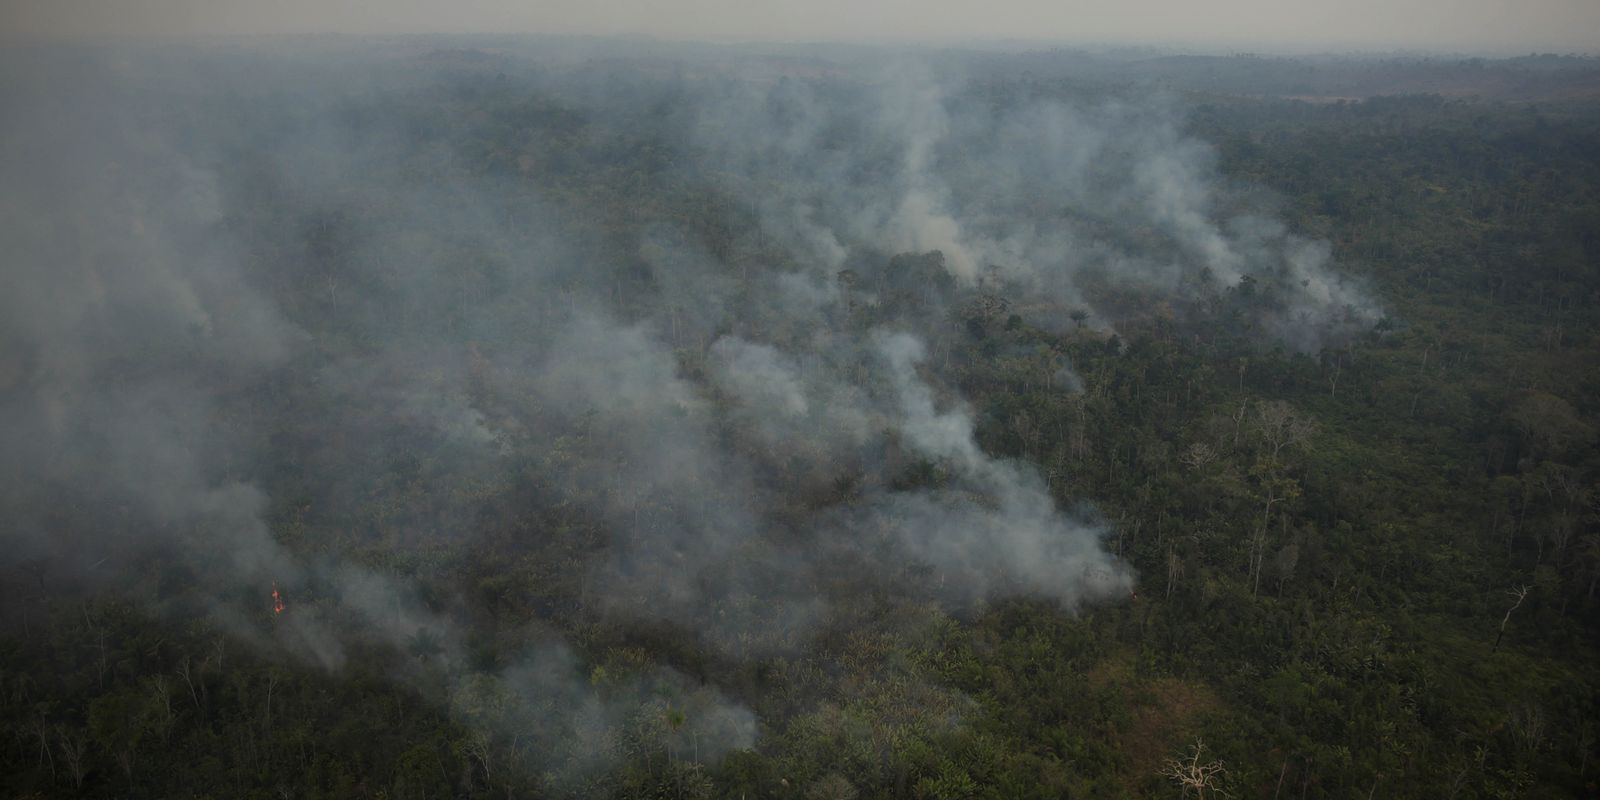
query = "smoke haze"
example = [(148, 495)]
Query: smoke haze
[(1444, 24), (248, 298)]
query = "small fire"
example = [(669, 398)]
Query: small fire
[(277, 599)]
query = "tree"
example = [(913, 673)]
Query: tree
[(1198, 456), (1275, 488), (1194, 777), (832, 786), (1548, 423), (1520, 593), (1278, 425), (74, 746)]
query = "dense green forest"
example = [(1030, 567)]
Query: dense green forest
[(404, 421)]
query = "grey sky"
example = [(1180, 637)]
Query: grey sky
[(1486, 25)]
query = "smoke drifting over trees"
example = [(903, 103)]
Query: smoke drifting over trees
[(1049, 193), (243, 308)]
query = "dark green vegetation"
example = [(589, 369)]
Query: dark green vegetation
[(1367, 571)]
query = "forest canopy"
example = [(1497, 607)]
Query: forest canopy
[(484, 416)]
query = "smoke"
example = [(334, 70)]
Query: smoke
[(997, 527), (668, 340), (580, 721), (1053, 193), (126, 326)]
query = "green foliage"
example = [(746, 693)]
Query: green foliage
[(1319, 602)]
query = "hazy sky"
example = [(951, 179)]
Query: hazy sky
[(1498, 25)]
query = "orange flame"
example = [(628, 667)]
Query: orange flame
[(277, 599)]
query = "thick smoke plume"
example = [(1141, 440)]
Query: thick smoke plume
[(311, 322), (1054, 194)]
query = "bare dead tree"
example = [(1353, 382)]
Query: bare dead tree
[(42, 728), (1198, 455), (1275, 489), (1027, 431), (161, 692), (73, 749), (478, 747), (272, 683), (1078, 440), (1258, 556), (1528, 724), (1238, 419), (1194, 776), (1520, 593), (186, 672), (1280, 426)]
